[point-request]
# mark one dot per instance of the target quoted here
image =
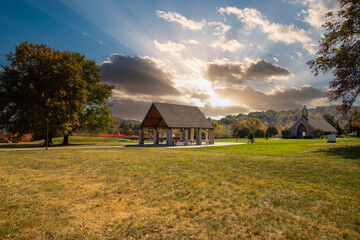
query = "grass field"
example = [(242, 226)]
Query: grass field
[(273, 189), (73, 141)]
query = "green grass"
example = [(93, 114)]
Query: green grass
[(73, 141), (272, 189)]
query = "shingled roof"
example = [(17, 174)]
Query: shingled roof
[(165, 115), (321, 124)]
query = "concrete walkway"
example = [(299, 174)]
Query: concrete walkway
[(217, 144)]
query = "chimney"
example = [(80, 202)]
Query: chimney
[(305, 113)]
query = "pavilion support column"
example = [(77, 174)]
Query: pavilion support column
[(181, 134), (207, 136), (169, 138), (156, 136), (211, 136), (186, 136), (198, 137), (192, 134), (141, 136)]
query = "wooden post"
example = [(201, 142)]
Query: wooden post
[(141, 136), (156, 136), (198, 137)]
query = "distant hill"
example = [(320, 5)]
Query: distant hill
[(284, 119)]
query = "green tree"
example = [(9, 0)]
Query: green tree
[(259, 133), (318, 132), (44, 87), (285, 133), (335, 123), (272, 131), (339, 53), (243, 132)]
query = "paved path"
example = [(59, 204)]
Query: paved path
[(217, 144)]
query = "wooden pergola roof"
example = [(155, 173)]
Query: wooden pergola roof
[(165, 115)]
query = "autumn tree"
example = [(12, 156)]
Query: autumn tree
[(44, 87), (339, 53), (253, 124)]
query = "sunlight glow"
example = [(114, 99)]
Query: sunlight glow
[(215, 101)]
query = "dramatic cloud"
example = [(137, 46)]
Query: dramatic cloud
[(169, 46), (317, 10), (137, 75), (239, 72), (276, 32), (265, 70), (280, 99), (183, 21), (129, 108)]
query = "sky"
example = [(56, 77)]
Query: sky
[(226, 57)]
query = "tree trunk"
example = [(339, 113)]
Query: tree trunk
[(66, 140), (48, 141)]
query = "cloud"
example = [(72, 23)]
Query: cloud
[(215, 111), (200, 96), (230, 46), (222, 42), (169, 46), (316, 12), (239, 72), (265, 70), (137, 76), (191, 41), (86, 34), (129, 108), (183, 21), (281, 98), (276, 32)]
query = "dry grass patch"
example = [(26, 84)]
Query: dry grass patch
[(258, 191)]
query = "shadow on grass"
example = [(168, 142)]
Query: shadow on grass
[(348, 152)]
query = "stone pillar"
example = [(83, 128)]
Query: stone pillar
[(185, 136), (141, 136), (156, 136), (192, 134), (181, 134), (198, 137), (207, 136), (169, 138), (211, 136)]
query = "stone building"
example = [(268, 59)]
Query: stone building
[(188, 119), (306, 125)]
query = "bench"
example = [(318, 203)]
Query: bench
[(179, 143)]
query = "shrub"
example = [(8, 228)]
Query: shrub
[(318, 132), (285, 133)]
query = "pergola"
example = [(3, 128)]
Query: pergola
[(173, 116)]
